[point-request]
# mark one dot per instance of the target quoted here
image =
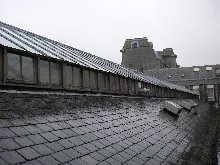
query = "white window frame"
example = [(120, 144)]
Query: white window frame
[(208, 68), (210, 92), (134, 42), (195, 89), (196, 69)]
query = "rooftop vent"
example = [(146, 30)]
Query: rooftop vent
[(172, 107), (187, 105)]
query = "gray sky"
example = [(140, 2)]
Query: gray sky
[(100, 27)]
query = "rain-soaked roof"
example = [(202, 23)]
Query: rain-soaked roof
[(42, 129), (14, 37)]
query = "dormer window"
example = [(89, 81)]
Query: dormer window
[(208, 68), (134, 44), (196, 69)]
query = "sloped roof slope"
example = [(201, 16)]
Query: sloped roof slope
[(42, 129), (17, 38)]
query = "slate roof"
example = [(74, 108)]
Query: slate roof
[(95, 130), (186, 76), (17, 38)]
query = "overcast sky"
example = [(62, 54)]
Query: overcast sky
[(100, 27)]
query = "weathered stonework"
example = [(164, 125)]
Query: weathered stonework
[(142, 56)]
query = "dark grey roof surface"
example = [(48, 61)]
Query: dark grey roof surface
[(14, 37), (186, 75), (43, 129)]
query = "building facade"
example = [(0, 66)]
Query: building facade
[(203, 80), (139, 54)]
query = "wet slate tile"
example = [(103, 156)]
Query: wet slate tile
[(64, 125), (109, 131), (23, 141), (145, 158), (117, 147), (49, 136), (99, 134), (84, 129), (137, 148), (158, 158), (151, 140), (73, 123), (81, 150), (105, 142), (51, 118), (3, 162), (55, 146), (97, 156), (18, 122), (137, 160), (130, 152), (84, 138), (12, 157), (55, 126), (92, 128), (59, 134), (91, 136), (44, 127), (20, 131), (163, 155), (152, 162), (75, 141), (48, 160), (8, 144), (6, 133), (32, 129), (28, 153), (111, 139), (90, 147), (132, 162), (41, 119), (111, 150), (98, 126), (66, 164), (65, 143), (61, 157), (112, 161), (72, 153), (105, 153), (89, 160), (69, 132), (77, 162), (77, 131), (4, 123), (125, 155), (103, 163), (119, 158), (37, 139), (42, 149), (32, 162), (30, 121)]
